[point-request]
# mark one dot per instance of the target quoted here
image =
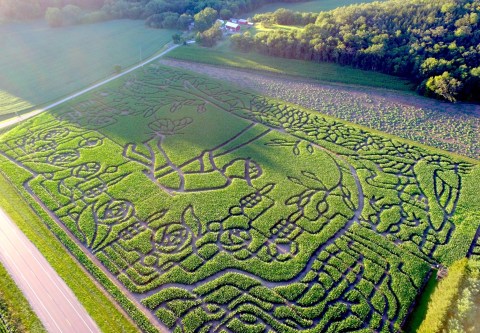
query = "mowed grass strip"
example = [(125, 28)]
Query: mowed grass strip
[(18, 311), (306, 6), (100, 308), (40, 64), (327, 72)]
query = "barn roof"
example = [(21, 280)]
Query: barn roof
[(232, 25)]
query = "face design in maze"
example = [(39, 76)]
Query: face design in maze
[(271, 195), (305, 203)]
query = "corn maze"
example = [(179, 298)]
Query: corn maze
[(225, 211)]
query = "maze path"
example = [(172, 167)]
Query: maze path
[(224, 211)]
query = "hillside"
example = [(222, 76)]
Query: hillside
[(435, 44)]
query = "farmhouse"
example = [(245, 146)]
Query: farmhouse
[(233, 27), (243, 21)]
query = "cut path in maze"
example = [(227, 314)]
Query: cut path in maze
[(221, 210)]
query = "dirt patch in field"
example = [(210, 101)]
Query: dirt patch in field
[(453, 127)]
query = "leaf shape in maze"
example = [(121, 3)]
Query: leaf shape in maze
[(296, 150), (86, 224), (310, 148), (167, 126), (446, 184), (192, 221)]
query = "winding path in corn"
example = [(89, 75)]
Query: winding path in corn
[(224, 211)]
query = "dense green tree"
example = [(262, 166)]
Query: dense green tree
[(242, 42), (54, 17), (418, 39), (210, 36), (177, 38), (205, 19), (167, 20), (225, 14), (184, 21), (445, 86)]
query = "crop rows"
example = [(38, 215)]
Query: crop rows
[(224, 211), (453, 127)]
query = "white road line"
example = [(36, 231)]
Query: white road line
[(55, 283), (32, 290), (41, 284)]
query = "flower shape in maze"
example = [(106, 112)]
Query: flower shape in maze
[(63, 157)]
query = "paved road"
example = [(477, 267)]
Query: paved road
[(55, 304), (18, 119)]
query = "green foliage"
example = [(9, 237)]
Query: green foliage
[(444, 86), (210, 36), (467, 307), (439, 58), (16, 314), (204, 20), (444, 297), (224, 207)]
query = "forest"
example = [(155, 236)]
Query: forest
[(433, 43), (115, 9)]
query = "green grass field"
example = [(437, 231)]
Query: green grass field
[(223, 55), (16, 314), (221, 209), (39, 64), (307, 6)]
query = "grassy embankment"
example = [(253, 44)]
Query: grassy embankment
[(103, 312), (15, 312), (41, 64), (446, 300), (307, 6)]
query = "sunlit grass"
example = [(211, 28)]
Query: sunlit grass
[(260, 27), (11, 104), (306, 6), (39, 64), (224, 55)]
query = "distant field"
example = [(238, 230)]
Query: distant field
[(308, 6), (223, 55), (39, 64)]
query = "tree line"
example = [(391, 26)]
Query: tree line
[(434, 43), (156, 13)]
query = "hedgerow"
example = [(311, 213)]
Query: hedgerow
[(443, 297)]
